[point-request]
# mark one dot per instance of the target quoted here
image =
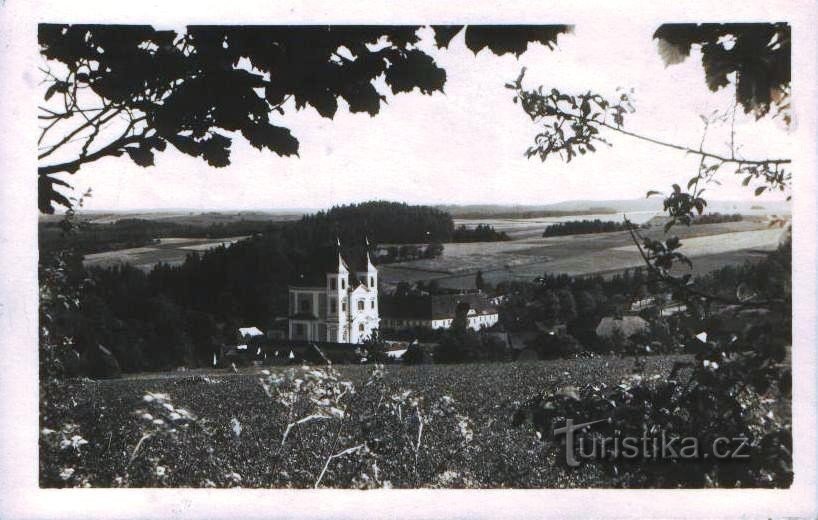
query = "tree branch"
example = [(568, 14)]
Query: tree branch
[(112, 149), (682, 286), (74, 132), (686, 149)]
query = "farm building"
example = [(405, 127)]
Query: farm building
[(664, 305), (437, 311), (337, 303)]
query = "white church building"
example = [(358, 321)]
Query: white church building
[(338, 305)]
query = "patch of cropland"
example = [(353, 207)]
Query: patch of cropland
[(170, 251), (238, 435), (524, 258)]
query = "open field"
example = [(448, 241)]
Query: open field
[(469, 442), (526, 257), (533, 227), (185, 217), (171, 251)]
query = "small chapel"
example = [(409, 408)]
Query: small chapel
[(336, 303)]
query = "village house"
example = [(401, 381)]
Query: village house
[(437, 311), (336, 304), (663, 304)]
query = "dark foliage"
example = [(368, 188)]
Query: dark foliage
[(188, 90), (480, 233), (580, 227), (757, 53), (389, 254), (382, 221), (717, 218)]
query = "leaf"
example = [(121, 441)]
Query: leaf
[(141, 156), (272, 137), (47, 195), (50, 91), (760, 190), (652, 193)]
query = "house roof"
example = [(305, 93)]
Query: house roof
[(433, 307), (250, 331)]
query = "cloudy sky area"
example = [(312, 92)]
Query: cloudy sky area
[(465, 146)]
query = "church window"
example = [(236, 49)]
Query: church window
[(343, 306), (360, 305), (372, 281), (333, 284), (372, 304), (343, 283), (299, 329), (361, 327), (305, 306), (333, 306)]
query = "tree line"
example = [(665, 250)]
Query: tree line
[(137, 232), (480, 233), (581, 227), (717, 218)]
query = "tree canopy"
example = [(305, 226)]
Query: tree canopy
[(757, 53), (117, 90)]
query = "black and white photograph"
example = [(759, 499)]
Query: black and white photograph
[(534, 252)]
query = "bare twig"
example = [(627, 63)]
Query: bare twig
[(341, 453), (138, 445), (303, 420)]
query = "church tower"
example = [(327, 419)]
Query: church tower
[(337, 305), (364, 300), (337, 301), (369, 276)]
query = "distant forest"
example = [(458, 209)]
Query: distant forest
[(381, 222), (581, 227), (90, 237), (717, 218), (485, 212), (479, 233)]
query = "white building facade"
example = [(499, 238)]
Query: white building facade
[(475, 320), (343, 310), (438, 311)]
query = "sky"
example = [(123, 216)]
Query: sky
[(466, 145)]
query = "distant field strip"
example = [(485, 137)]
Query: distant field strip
[(171, 251), (604, 253), (726, 242)]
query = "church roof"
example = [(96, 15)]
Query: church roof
[(326, 260)]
